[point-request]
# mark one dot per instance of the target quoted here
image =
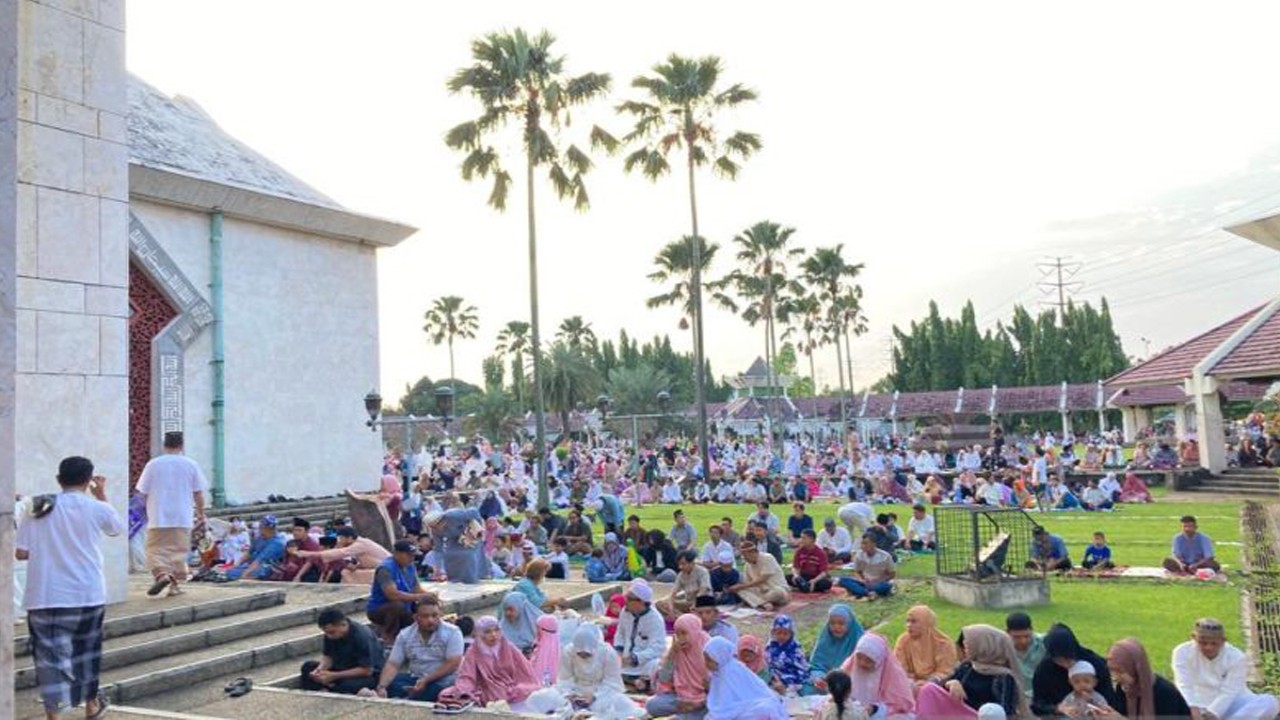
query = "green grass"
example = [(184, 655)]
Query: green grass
[(1100, 612)]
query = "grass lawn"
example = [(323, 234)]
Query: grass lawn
[(1158, 613)]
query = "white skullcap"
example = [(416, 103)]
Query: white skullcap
[(641, 590), (991, 711), (1081, 668), (725, 556)]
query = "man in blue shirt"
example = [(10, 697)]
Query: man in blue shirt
[(1048, 552), (1192, 550), (266, 551), (798, 523)]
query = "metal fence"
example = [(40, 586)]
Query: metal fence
[(987, 544)]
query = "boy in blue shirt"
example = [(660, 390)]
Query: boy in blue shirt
[(1098, 555), (597, 570)]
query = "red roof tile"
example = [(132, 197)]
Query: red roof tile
[(1258, 354), (1176, 363)]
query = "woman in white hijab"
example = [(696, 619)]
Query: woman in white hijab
[(589, 678), (736, 692)]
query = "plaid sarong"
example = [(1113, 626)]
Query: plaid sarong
[(66, 644)]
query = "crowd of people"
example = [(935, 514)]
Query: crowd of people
[(467, 515)]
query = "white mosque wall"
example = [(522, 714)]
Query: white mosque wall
[(301, 348)]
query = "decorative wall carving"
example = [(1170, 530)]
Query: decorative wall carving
[(149, 313), (167, 345)]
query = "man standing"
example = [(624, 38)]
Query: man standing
[(172, 484), (1211, 674), (1192, 550), (66, 593), (1028, 647), (350, 660), (425, 657)]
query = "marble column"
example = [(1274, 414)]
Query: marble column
[(8, 333), (1129, 423), (1210, 430)]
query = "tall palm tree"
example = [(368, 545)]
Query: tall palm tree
[(828, 271), (448, 318), (520, 82), (577, 334), (763, 251), (682, 99), (807, 310), (675, 263), (852, 322), (569, 380), (513, 341)]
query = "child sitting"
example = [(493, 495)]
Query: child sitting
[(597, 570), (840, 704), (235, 546), (1084, 699), (559, 559), (1098, 555)]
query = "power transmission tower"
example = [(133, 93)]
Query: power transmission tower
[(1057, 273)]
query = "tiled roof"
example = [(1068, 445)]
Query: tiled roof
[(1255, 355), (757, 369), (1176, 363), (1154, 395)]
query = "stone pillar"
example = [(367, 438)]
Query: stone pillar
[(1209, 427), (1129, 423), (1180, 421), (1142, 417), (1066, 426), (72, 251), (8, 330)]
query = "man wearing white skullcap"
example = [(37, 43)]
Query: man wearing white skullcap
[(1212, 675), (641, 638)]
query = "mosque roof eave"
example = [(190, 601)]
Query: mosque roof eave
[(169, 186)]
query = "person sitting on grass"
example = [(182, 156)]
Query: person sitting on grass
[(711, 548), (809, 568), (1134, 490), (798, 523), (641, 636), (925, 652), (615, 558), (1098, 555), (350, 659), (1048, 552), (559, 560), (681, 679), (1140, 693), (1060, 496), (1052, 681), (788, 666), (1028, 646), (684, 536), (833, 647), (878, 680), (1192, 550), (1212, 676), (424, 659), (660, 557), (723, 576), (714, 625), (1084, 700), (1095, 498), (835, 542), (921, 530), (692, 582), (578, 532), (873, 572), (763, 586), (596, 570), (735, 691)]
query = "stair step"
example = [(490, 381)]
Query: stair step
[(170, 617), (261, 508), (1236, 488), (164, 642)]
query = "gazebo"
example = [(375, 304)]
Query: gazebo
[(1234, 361)]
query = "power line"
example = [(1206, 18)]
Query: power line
[(1058, 276)]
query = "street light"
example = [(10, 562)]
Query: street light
[(373, 406)]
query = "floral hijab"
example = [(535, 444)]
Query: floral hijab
[(786, 660)]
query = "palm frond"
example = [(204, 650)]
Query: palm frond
[(581, 200), (743, 144), (465, 136), (735, 94), (480, 163), (587, 87), (602, 140), (726, 167), (577, 160), (501, 186)]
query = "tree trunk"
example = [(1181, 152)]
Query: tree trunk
[(695, 291), (451, 372), (540, 446), (848, 358), (840, 368)]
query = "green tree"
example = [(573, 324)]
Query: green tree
[(570, 380), (675, 265), (494, 372), (830, 274), (493, 414), (420, 397), (634, 391), (518, 80), (577, 334), (806, 312), (682, 100), (450, 318), (762, 279), (513, 342)]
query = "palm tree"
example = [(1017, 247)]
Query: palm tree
[(682, 100), (519, 81), (569, 380), (853, 322), (634, 391), (808, 310), (513, 341), (763, 279), (828, 271), (675, 262), (448, 319), (577, 334)]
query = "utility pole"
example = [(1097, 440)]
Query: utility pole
[(1057, 273)]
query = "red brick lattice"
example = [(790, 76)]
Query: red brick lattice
[(149, 312)]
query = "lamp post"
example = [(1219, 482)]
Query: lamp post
[(373, 407), (444, 407), (603, 403)]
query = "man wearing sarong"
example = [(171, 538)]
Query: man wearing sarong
[(172, 484)]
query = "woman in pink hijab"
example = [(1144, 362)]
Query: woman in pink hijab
[(681, 679), (491, 527), (492, 669), (877, 677), (546, 653)]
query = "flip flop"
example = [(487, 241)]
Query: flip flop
[(238, 687), (103, 705), (160, 584)]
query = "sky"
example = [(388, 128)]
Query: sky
[(953, 148)]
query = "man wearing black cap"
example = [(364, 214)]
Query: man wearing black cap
[(395, 591), (705, 608)]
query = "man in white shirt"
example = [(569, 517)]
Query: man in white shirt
[(835, 541), (66, 595), (641, 638), (857, 516), (921, 530), (1211, 674), (711, 548), (172, 484)]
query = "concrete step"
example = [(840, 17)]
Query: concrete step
[(166, 642), (262, 508), (1234, 487), (176, 616)]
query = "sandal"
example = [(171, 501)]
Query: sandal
[(103, 704), (160, 584), (238, 687)]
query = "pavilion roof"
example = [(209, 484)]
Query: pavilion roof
[(1156, 395), (1177, 363), (1256, 355)]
